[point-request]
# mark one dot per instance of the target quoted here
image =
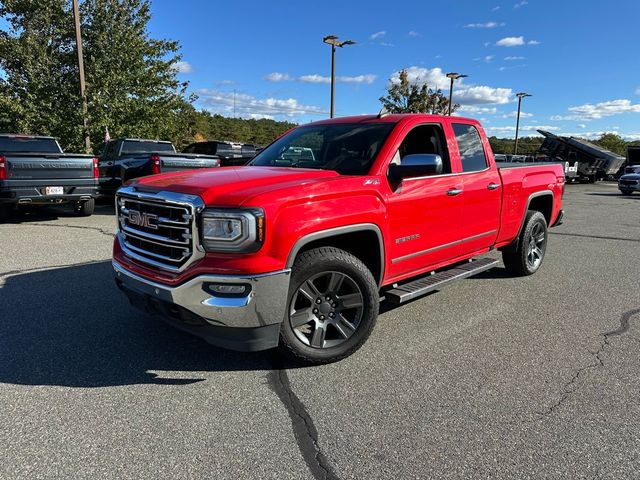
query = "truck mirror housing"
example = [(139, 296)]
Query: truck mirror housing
[(416, 165)]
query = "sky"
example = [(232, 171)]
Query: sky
[(579, 59)]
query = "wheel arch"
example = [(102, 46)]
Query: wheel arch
[(541, 202), (363, 240)]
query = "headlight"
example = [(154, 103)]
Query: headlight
[(232, 230)]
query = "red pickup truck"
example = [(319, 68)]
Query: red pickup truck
[(298, 248)]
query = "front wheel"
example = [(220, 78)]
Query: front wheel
[(525, 255), (332, 306), (84, 209)]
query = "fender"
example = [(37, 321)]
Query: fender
[(332, 232)]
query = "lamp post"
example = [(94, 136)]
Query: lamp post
[(334, 42), (453, 76), (83, 95), (520, 96)]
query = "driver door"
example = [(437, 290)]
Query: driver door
[(424, 213)]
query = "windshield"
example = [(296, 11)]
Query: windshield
[(29, 145), (131, 146), (347, 148)]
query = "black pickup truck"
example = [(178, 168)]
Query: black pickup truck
[(35, 171), (126, 158), (230, 154)]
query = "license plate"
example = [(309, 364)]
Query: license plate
[(53, 190)]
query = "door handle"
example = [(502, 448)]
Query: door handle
[(493, 186), (452, 192)]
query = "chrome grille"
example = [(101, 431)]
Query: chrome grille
[(158, 229)]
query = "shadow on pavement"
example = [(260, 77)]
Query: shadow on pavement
[(72, 327), (52, 212)]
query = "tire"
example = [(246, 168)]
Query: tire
[(525, 255), (332, 306), (84, 209), (626, 192), (5, 212)]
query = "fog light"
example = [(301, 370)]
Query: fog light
[(225, 289)]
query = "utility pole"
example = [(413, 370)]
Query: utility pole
[(85, 120), (520, 96), (453, 76), (234, 103), (334, 42)]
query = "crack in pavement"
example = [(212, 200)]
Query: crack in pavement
[(304, 429), (81, 227), (572, 385), (597, 237)]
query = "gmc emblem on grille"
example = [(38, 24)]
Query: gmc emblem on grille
[(143, 219)]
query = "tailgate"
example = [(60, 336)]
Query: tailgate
[(176, 163), (49, 167)]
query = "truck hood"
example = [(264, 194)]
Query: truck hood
[(235, 185)]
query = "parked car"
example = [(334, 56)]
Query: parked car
[(35, 171), (230, 154), (629, 183), (298, 251), (124, 159)]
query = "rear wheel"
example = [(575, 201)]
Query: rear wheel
[(626, 192), (84, 209), (5, 211), (331, 308), (525, 255)]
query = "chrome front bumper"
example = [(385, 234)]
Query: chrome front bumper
[(263, 306)]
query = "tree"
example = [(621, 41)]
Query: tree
[(132, 85), (405, 96), (612, 142)]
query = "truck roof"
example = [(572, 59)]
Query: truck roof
[(387, 118), (138, 140), (20, 135)]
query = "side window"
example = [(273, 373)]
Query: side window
[(470, 146), (110, 150), (425, 139)]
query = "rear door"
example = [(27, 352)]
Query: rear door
[(482, 190), (424, 213)]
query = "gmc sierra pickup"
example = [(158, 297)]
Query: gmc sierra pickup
[(126, 158), (299, 251), (35, 171)]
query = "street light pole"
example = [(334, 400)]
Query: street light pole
[(520, 96), (83, 96), (334, 42), (453, 76)]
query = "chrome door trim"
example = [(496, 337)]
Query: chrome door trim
[(440, 247)]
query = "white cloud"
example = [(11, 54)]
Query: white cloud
[(260, 116), (510, 42), (533, 42), (249, 106), (629, 137), (464, 94), (514, 114), (474, 110), (509, 59), (387, 44), (480, 94), (377, 35), (277, 77), (581, 125), (315, 78), (638, 91), (182, 67), (414, 34), (496, 8), (590, 111), (489, 58), (485, 25), (520, 4)]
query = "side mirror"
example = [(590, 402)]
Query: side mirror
[(417, 165)]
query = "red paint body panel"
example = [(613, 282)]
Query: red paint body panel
[(422, 227)]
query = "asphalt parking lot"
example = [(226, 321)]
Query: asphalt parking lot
[(492, 377)]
